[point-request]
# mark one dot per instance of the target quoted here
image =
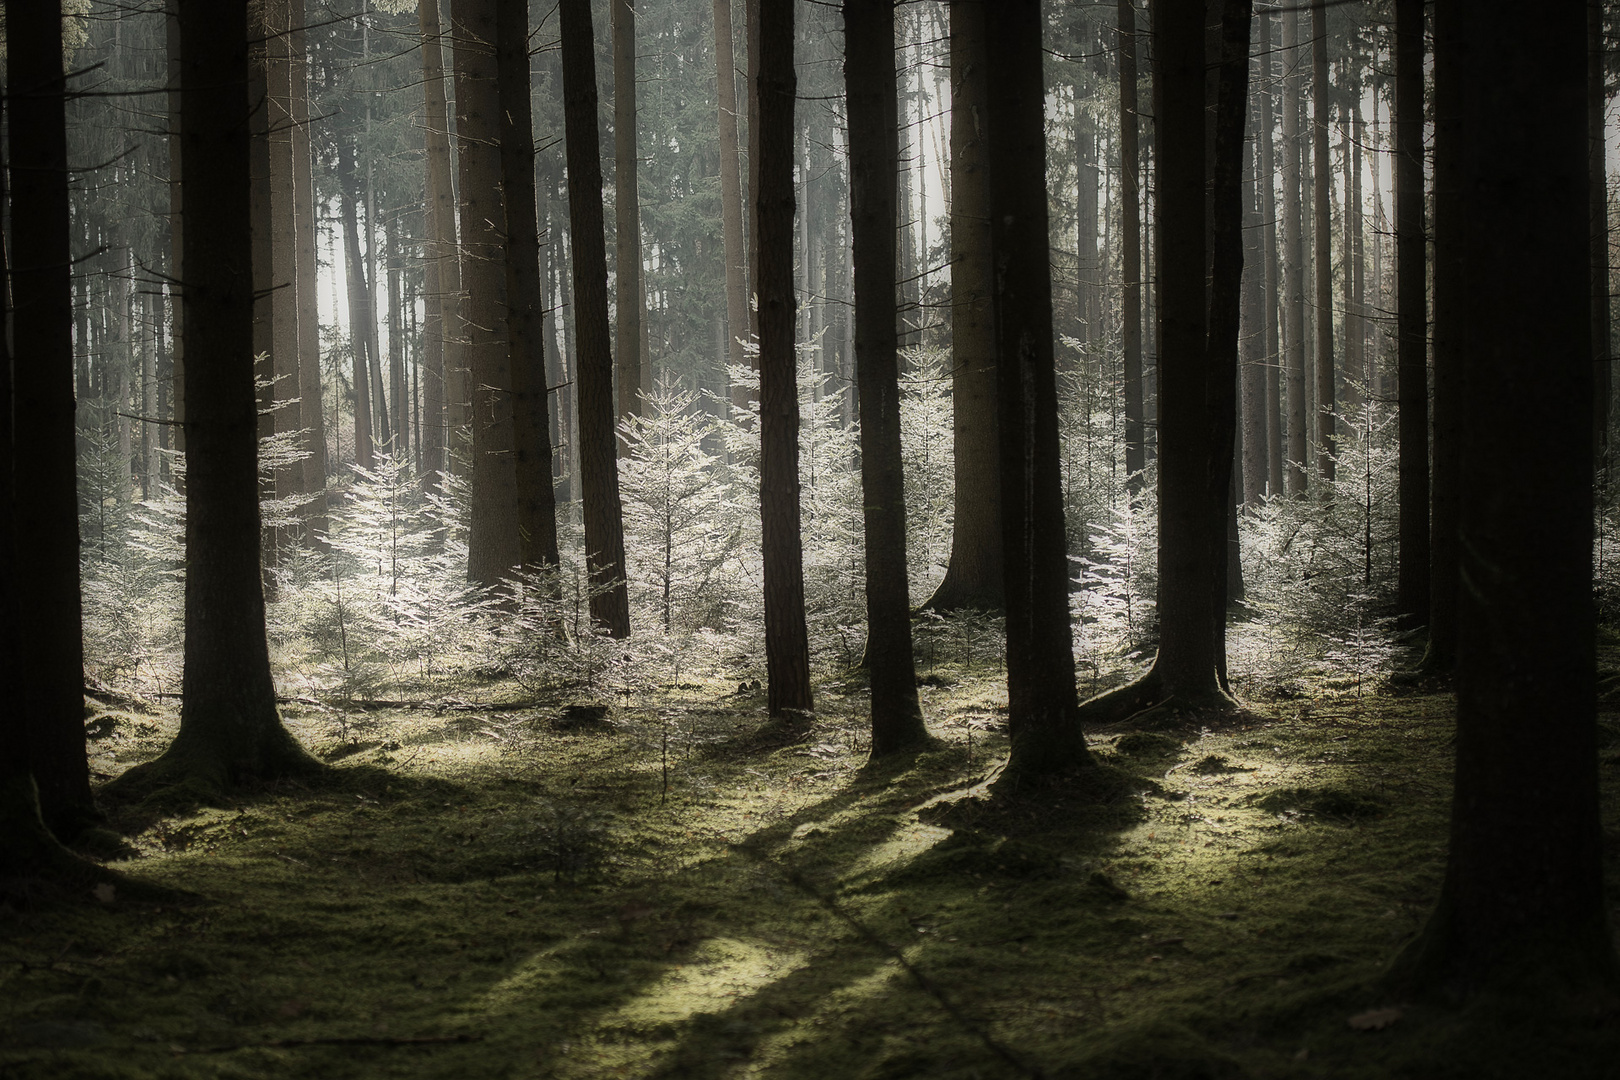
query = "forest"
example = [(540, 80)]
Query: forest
[(808, 538)]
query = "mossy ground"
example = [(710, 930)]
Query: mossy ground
[(525, 889)]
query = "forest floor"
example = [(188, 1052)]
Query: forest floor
[(482, 891)]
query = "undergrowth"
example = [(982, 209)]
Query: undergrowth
[(654, 891)]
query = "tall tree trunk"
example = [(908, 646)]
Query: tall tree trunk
[(1355, 319), (306, 271), (731, 200), (493, 544), (626, 209), (50, 652), (260, 228), (1597, 100), (973, 576), (1449, 357), (229, 729), (1085, 240), (441, 269), (1042, 704), (1522, 908), (359, 296), (598, 469), (787, 645), (1322, 234), (1252, 471), (536, 500), (869, 76), (176, 221), (1274, 275), (1293, 261), (282, 248), (1412, 321), (1131, 253), (400, 411)]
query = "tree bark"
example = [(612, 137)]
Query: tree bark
[(1597, 100), (50, 651), (869, 77), (1042, 704), (1295, 479), (1322, 235), (536, 500), (598, 469), (787, 645), (1131, 253), (359, 297), (1252, 473), (1274, 276), (306, 271), (441, 268), (283, 237), (229, 729), (973, 575), (1522, 906), (626, 209), (731, 200), (1412, 322), (493, 544)]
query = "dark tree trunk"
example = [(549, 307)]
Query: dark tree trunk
[(869, 77), (1268, 214), (493, 546), (1252, 473), (1450, 358), (973, 576), (598, 467), (1597, 100), (229, 728), (282, 249), (1522, 905), (1131, 252), (307, 270), (1412, 318), (536, 500), (626, 209), (50, 650), (787, 645), (1293, 290), (1322, 236), (1042, 704)]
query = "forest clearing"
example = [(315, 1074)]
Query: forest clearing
[(500, 892)]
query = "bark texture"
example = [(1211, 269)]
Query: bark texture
[(1412, 318), (626, 210)]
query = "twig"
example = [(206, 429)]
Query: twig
[(351, 1040)]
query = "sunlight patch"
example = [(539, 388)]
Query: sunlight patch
[(720, 972), (910, 840)]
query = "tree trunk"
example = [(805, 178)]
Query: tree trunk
[(1131, 253), (536, 500), (307, 270), (1522, 906), (626, 209), (1322, 235), (598, 469), (869, 76), (1597, 100), (731, 200), (1450, 358), (973, 575), (283, 239), (1252, 472), (50, 652), (1042, 704), (229, 729), (359, 296), (787, 647), (1274, 276), (1293, 261), (399, 413), (177, 354), (441, 268), (1412, 322)]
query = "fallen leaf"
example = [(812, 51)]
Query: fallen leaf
[(106, 892), (1375, 1019)]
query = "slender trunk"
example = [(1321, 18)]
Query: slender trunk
[(1131, 252), (177, 221), (599, 474), (1274, 306), (493, 544), (306, 271), (396, 339), (626, 209), (1411, 272), (1598, 202), (974, 574), (359, 296), (1293, 260), (1322, 235), (1042, 706), (441, 269), (731, 201), (536, 501), (1252, 471), (787, 647), (869, 76), (283, 239)]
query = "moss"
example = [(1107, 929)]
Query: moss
[(752, 919)]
